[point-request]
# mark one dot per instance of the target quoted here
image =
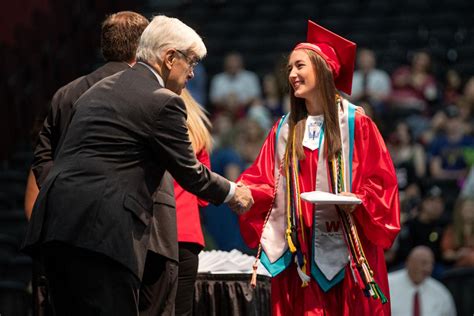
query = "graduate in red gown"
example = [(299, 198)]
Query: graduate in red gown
[(325, 259)]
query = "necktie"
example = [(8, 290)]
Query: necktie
[(416, 305)]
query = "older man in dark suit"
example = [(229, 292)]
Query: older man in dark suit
[(91, 221)]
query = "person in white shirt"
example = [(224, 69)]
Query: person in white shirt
[(414, 292), (369, 83), (235, 88)]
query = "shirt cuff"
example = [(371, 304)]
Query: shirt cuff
[(231, 193)]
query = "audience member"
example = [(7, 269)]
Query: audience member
[(458, 241), (408, 156), (249, 137), (414, 292), (370, 84), (452, 87), (198, 85), (236, 88), (447, 156), (220, 222), (414, 87), (274, 99), (426, 228)]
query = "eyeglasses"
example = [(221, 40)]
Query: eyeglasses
[(191, 63)]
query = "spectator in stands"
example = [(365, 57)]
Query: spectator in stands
[(466, 113), (458, 240), (370, 84), (452, 87), (219, 221), (447, 151), (273, 99), (414, 87), (236, 88), (468, 92), (426, 228), (414, 292), (198, 85), (249, 137), (408, 156)]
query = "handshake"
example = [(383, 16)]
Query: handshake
[(242, 200)]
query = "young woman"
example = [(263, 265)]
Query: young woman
[(325, 259), (190, 237)]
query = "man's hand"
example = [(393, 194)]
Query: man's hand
[(242, 200)]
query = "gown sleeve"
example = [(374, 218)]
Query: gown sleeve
[(375, 183), (259, 177)]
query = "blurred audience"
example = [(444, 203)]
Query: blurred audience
[(425, 228), (408, 156), (414, 87), (249, 137), (414, 292), (452, 87), (370, 84), (458, 241), (235, 88), (447, 151), (197, 86)]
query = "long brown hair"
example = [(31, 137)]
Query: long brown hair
[(198, 123), (328, 96)]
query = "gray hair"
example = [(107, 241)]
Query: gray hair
[(164, 33)]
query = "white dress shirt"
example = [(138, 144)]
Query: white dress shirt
[(434, 297)]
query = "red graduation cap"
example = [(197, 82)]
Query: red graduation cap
[(338, 52)]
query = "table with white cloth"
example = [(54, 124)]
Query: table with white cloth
[(223, 286)]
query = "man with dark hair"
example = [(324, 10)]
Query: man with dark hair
[(120, 34), (119, 41)]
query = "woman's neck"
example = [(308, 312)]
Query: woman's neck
[(313, 106)]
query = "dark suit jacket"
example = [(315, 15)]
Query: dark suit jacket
[(125, 132), (59, 116), (163, 231)]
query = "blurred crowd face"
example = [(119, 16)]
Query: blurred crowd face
[(421, 62), (420, 264), (301, 74), (467, 211), (469, 90), (366, 60), (403, 134), (270, 86), (432, 207), (233, 64), (453, 125)]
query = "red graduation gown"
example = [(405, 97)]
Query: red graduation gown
[(377, 220)]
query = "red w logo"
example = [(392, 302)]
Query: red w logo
[(332, 226)]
